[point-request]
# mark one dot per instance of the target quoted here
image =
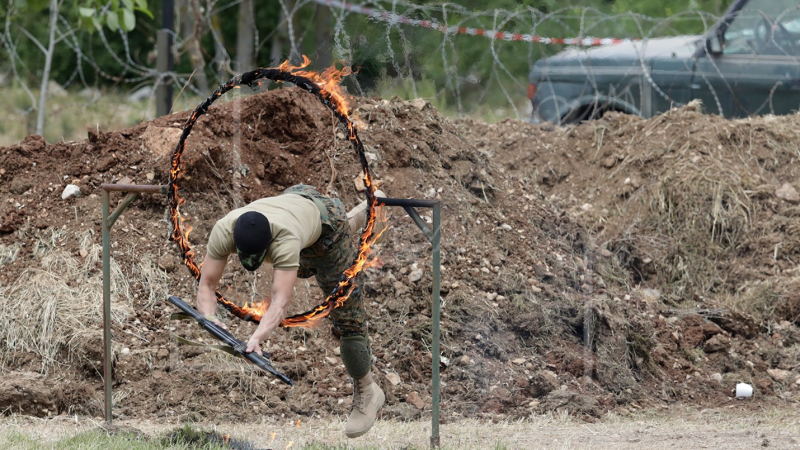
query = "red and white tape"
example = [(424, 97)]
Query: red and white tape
[(433, 24)]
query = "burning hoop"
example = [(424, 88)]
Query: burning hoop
[(325, 87)]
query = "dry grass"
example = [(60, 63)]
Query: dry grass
[(54, 307), (733, 427)]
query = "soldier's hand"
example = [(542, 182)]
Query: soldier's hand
[(254, 345)]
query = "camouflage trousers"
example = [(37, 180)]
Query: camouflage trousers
[(329, 256)]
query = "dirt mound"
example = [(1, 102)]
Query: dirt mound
[(535, 315)]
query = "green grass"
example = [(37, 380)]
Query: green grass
[(183, 438), (68, 116)]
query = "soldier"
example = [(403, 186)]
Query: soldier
[(301, 233)]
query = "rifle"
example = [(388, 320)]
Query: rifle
[(226, 337)]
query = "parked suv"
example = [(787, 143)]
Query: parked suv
[(747, 64)]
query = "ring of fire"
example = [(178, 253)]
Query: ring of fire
[(325, 87)]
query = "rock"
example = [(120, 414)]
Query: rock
[(161, 140), (83, 252), (717, 377), (71, 191), (518, 361), (150, 176), (124, 180), (779, 375), (337, 351), (717, 343), (331, 361), (788, 192), (420, 103), (506, 227), (415, 275), (167, 262), (393, 378), (414, 399), (543, 382), (464, 360)]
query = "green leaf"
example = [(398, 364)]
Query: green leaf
[(127, 4), (86, 12), (145, 12), (128, 20), (112, 21), (96, 22), (142, 4)]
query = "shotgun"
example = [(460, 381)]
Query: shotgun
[(228, 339)]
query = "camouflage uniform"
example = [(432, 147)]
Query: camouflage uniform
[(329, 256)]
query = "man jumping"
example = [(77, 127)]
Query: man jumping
[(301, 233)]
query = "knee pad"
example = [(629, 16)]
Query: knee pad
[(356, 356)]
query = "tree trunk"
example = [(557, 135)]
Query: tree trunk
[(192, 21), (48, 62), (323, 38), (245, 37)]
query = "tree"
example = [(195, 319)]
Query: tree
[(94, 14)]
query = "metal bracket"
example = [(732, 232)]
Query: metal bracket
[(133, 191), (434, 236)]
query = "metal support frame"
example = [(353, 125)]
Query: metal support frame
[(434, 236), (108, 222)]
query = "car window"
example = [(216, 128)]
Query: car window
[(765, 27)]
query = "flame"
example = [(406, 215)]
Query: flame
[(297, 424), (226, 438), (326, 86)]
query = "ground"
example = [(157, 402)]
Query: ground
[(605, 268)]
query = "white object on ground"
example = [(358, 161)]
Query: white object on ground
[(71, 191), (744, 390)]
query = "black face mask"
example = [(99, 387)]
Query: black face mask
[(249, 261)]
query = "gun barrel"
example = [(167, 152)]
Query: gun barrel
[(227, 338)]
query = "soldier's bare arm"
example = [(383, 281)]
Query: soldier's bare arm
[(282, 287), (210, 275)]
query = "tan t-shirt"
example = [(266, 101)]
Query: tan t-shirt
[(294, 221)]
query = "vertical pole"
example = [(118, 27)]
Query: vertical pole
[(164, 63), (435, 306), (106, 308)]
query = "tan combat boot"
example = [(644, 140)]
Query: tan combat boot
[(367, 400)]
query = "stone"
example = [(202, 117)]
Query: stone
[(543, 382), (518, 361), (331, 361), (717, 343), (415, 275), (161, 140), (83, 252), (779, 375), (464, 360), (71, 190), (717, 377), (393, 378), (414, 399), (337, 351), (788, 192)]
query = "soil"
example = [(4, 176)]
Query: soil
[(610, 266)]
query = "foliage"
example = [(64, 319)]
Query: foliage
[(115, 14)]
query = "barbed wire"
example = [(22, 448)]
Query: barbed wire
[(468, 62)]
